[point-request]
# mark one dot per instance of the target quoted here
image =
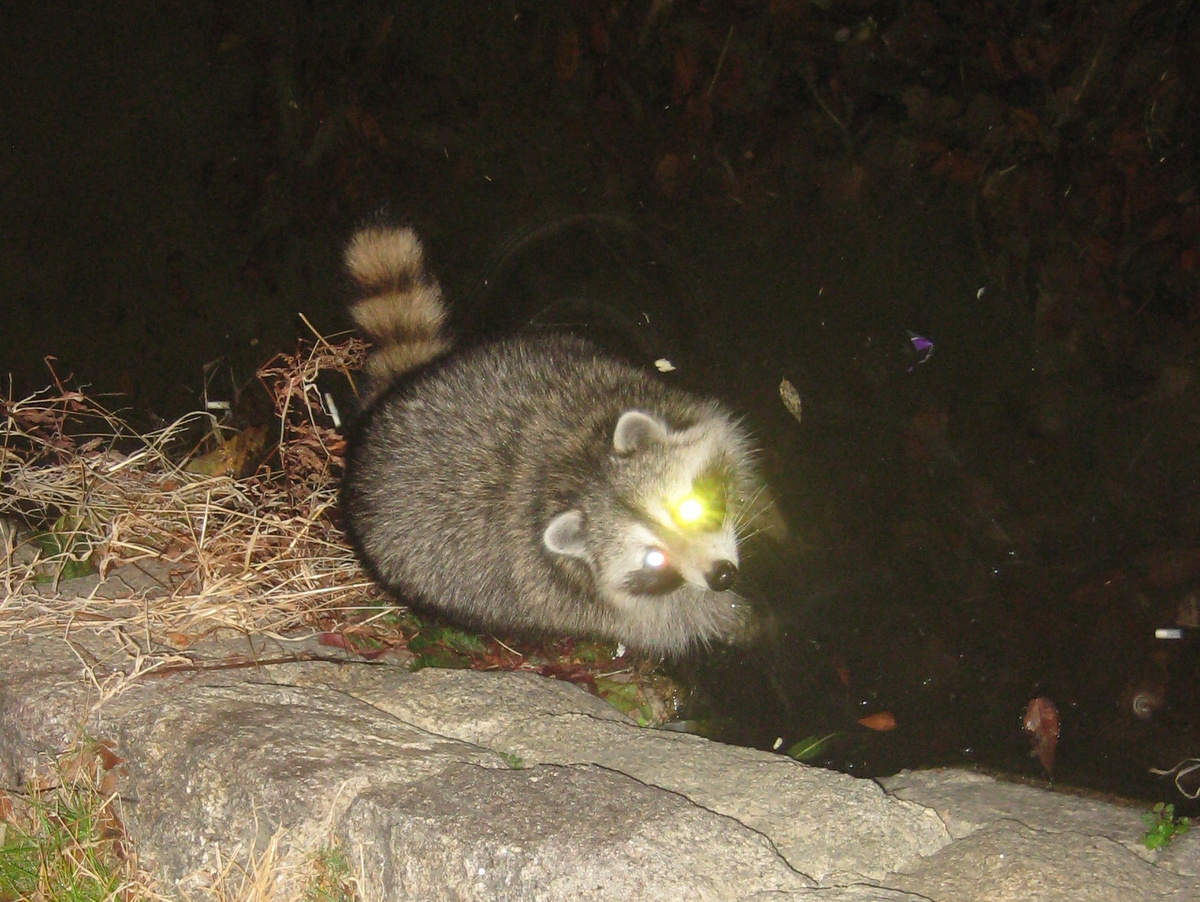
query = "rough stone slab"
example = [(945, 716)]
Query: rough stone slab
[(858, 893), (412, 771), (803, 809), (477, 706), (203, 759), (967, 801), (553, 833), (45, 696), (1183, 855), (1007, 861)]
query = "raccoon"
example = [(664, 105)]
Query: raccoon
[(533, 484)]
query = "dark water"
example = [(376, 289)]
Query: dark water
[(977, 530), (956, 552), (1006, 520)]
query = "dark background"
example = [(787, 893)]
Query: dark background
[(1010, 519)]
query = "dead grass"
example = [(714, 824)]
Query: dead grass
[(62, 837), (185, 553), (151, 540), (176, 546), (271, 875)]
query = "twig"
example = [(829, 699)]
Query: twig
[(720, 62)]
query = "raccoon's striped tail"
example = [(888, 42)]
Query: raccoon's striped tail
[(400, 307)]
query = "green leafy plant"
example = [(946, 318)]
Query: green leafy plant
[(63, 843), (626, 698), (814, 746), (516, 762), (1162, 826), (333, 880), (65, 548), (444, 646)]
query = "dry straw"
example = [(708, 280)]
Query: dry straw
[(179, 554)]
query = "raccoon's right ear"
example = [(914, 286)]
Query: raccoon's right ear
[(567, 535), (637, 431)]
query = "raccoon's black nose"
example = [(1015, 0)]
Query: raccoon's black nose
[(721, 576)]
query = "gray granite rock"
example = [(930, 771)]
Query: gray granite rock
[(550, 832), (454, 785), (1007, 861), (803, 809)]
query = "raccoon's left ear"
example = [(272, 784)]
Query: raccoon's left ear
[(567, 535), (637, 431)]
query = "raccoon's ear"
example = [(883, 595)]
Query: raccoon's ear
[(637, 431), (567, 535)]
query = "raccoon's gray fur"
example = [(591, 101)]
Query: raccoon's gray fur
[(532, 484)]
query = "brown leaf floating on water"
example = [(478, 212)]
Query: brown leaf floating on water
[(881, 722), (1041, 726)]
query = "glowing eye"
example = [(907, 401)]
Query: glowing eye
[(689, 510), (654, 558), (702, 508)]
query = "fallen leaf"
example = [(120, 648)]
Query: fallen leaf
[(791, 399), (108, 758), (1041, 726), (108, 784), (814, 746), (335, 640), (881, 722), (230, 457)]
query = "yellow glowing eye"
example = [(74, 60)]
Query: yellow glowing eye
[(690, 510)]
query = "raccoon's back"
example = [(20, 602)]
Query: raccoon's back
[(453, 474)]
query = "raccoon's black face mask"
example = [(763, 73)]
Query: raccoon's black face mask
[(657, 576), (656, 573), (660, 519)]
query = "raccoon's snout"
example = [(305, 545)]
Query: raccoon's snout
[(722, 576)]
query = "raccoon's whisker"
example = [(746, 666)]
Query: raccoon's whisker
[(751, 503), (747, 517), (753, 524), (756, 511), (748, 536)]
